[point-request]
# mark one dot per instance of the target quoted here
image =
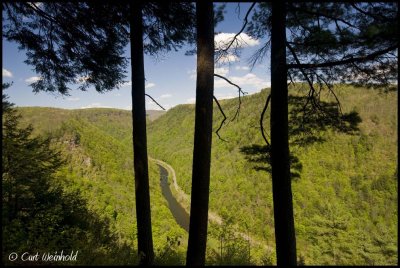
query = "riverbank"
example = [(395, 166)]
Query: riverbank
[(184, 200)]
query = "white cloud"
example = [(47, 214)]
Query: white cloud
[(117, 94), (221, 71), (7, 73), (164, 96), (33, 79), (95, 105), (228, 58), (222, 40), (191, 100), (249, 79), (126, 84), (242, 68), (192, 74), (129, 84), (73, 99), (150, 85)]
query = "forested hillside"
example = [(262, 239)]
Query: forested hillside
[(345, 190), (345, 183), (97, 147)]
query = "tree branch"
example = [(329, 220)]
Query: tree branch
[(371, 56), (154, 101), (301, 69), (241, 30), (262, 119), (323, 15), (223, 120), (41, 13), (239, 90), (225, 50)]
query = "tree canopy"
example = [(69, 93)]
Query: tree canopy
[(336, 42), (83, 42)]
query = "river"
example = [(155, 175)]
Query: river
[(179, 213)]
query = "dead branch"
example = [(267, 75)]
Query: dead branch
[(330, 88), (240, 91), (262, 119), (310, 83), (224, 51), (154, 101), (223, 120)]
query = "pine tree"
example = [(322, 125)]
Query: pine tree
[(202, 135), (328, 42), (71, 43)]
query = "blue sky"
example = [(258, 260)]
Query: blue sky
[(170, 78)]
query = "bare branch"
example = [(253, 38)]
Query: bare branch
[(262, 119), (259, 55), (329, 86), (240, 91), (241, 30), (311, 94), (234, 39), (154, 101), (223, 120), (233, 84), (301, 69)]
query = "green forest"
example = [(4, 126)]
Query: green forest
[(345, 191)]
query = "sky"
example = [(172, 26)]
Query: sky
[(170, 78)]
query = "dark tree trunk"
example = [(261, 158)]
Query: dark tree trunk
[(145, 240), (202, 135), (281, 184)]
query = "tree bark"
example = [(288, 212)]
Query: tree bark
[(144, 233), (281, 184), (202, 135)]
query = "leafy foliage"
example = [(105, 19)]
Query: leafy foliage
[(345, 200), (349, 166), (38, 213), (97, 147)]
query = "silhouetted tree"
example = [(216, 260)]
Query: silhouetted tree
[(142, 191), (84, 42), (280, 162), (328, 42), (202, 135)]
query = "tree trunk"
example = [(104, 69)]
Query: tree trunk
[(202, 135), (145, 240), (281, 184)]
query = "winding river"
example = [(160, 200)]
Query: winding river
[(179, 213)]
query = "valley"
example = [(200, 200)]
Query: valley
[(345, 194)]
